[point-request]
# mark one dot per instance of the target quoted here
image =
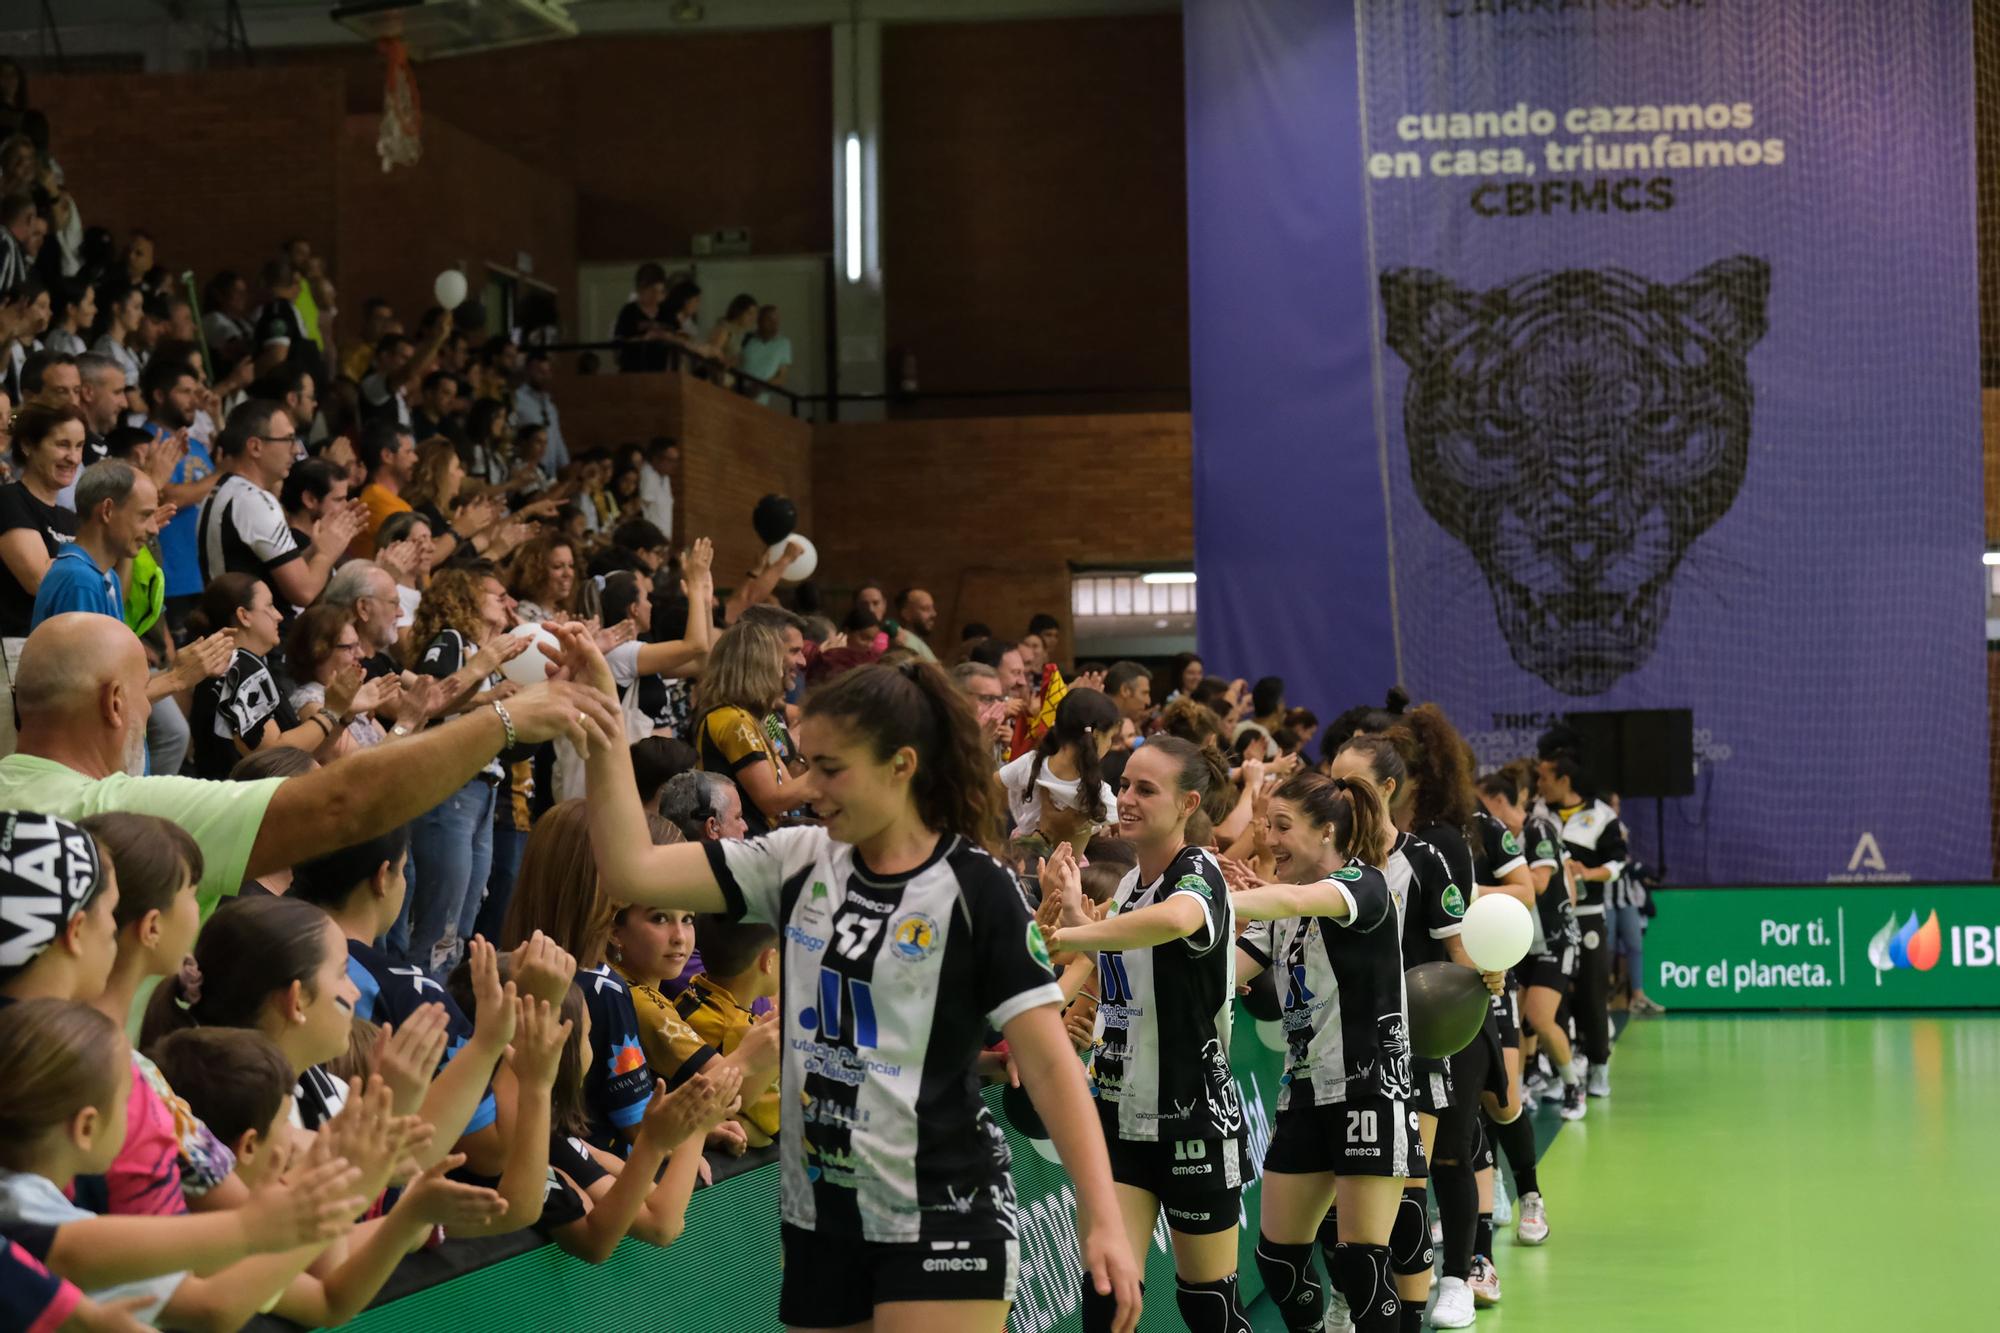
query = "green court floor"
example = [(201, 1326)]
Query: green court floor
[(1772, 1173)]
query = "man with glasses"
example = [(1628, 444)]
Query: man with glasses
[(369, 592), (242, 529), (981, 684)]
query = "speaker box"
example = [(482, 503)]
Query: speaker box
[(1638, 752)]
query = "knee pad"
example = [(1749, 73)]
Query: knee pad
[(1362, 1272), (1410, 1250), (1293, 1286), (1099, 1311), (1210, 1307)]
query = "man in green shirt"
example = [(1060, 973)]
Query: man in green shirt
[(81, 694)]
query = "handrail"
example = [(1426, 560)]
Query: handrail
[(749, 385)]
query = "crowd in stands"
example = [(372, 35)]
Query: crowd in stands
[(293, 781)]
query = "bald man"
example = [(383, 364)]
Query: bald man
[(80, 693)]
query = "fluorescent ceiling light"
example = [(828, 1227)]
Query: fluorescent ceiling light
[(854, 208), (1169, 576), (1991, 558)]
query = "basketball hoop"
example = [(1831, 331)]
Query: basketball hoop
[(400, 140)]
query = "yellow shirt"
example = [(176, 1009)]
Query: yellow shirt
[(674, 1050), (719, 1020), (381, 504)]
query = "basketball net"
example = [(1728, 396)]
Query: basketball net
[(400, 140)]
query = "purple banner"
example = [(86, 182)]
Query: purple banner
[(1675, 397)]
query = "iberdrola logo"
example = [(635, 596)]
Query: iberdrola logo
[(1908, 945)]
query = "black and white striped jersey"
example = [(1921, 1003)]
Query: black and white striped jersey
[(1594, 838), (889, 985), (1345, 1013), (1555, 919), (1162, 1063), (1430, 904), (1499, 853)]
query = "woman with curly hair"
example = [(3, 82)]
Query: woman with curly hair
[(542, 579), (459, 637)]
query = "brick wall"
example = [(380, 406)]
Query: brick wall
[(1034, 203), (220, 168), (990, 514), (467, 202)]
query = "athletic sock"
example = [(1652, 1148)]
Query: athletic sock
[(1210, 1307), (1517, 1140), (1457, 1192), (1482, 1236), (1410, 1319), (1362, 1272), (1293, 1284)]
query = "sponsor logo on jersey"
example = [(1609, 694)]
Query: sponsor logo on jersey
[(872, 904), (1194, 884), (822, 1111), (913, 938), (1906, 945), (1038, 948), (810, 943), (1510, 844), (956, 1264), (840, 1064), (1545, 850), (625, 1057), (1454, 901), (1348, 873), (831, 1165)]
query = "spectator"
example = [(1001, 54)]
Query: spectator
[(47, 454), (293, 388), (1131, 688), (487, 458), (282, 336), (49, 374), (641, 546), (725, 340), (1063, 775), (388, 455), (916, 619), (642, 329), (871, 598), (981, 684), (534, 407), (323, 654), (1304, 724), (1183, 674), (226, 322), (405, 549), (312, 490), (436, 413), (767, 353), (658, 760), (1267, 703), (742, 684), (243, 528), (101, 395), (1048, 629), (243, 711), (542, 579), (79, 312), (368, 592), (378, 321), (739, 970), (169, 390), (117, 513), (436, 482), (385, 389), (460, 637), (705, 807), (656, 483), (17, 214), (123, 312), (316, 295)]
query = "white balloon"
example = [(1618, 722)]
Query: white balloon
[(1497, 932), (530, 668), (449, 289), (802, 566)]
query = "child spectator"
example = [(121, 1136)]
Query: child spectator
[(741, 967), (68, 1074), (362, 889)]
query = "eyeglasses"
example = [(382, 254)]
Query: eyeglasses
[(354, 648), (987, 700), (284, 439)]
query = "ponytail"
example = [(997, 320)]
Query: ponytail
[(249, 950), (1441, 762), (1351, 807), (1201, 769), (1081, 717), (915, 704)]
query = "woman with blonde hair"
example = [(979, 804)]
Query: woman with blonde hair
[(742, 685), (434, 491)]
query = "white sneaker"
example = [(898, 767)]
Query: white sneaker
[(1600, 1080), (1454, 1308), (1579, 1065), (1573, 1106), (1534, 1225), (1503, 1204), (1339, 1319), (1484, 1281)]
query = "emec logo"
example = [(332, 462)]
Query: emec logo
[(1906, 946)]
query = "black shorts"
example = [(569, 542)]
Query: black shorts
[(1551, 971), (1199, 1182), (1431, 1083), (1481, 1067), (1363, 1136), (832, 1280)]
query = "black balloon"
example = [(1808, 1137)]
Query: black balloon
[(775, 519), (1448, 1005), (1020, 1113)]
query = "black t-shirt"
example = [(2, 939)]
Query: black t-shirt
[(57, 526), (232, 707), (443, 658), (381, 664), (639, 356), (278, 322)]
